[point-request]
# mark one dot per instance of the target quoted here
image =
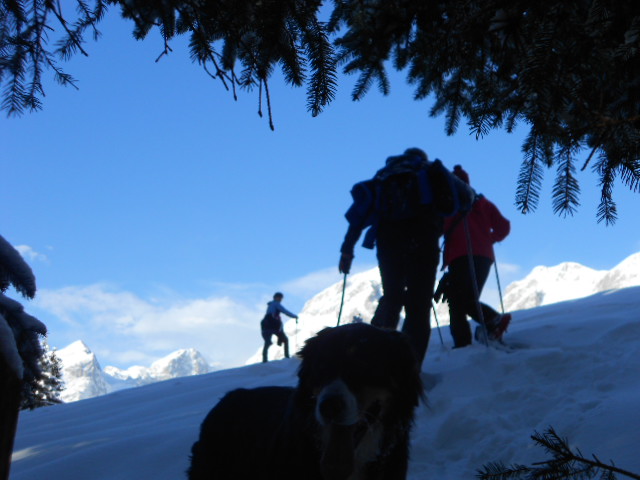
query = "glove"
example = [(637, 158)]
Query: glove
[(344, 266)]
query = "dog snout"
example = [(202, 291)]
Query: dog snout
[(336, 405), (332, 408)]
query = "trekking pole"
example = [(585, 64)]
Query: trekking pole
[(344, 287), (435, 315), (495, 266), (474, 281)]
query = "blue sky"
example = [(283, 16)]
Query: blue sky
[(158, 213)]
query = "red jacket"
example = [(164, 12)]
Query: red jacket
[(486, 226)]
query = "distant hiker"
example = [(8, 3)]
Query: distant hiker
[(271, 324), (403, 207), (486, 226)]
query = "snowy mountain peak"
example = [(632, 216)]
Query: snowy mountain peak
[(546, 285), (81, 372), (543, 286), (180, 363), (76, 348), (625, 274), (84, 378)]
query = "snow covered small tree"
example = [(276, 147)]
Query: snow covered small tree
[(45, 389), (20, 349)]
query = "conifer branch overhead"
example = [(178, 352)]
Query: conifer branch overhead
[(607, 211), (566, 189), (537, 152), (15, 272), (567, 69)]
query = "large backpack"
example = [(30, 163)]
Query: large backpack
[(405, 189), (398, 197)]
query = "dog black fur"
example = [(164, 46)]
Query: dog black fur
[(349, 418)]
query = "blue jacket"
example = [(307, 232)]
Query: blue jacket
[(274, 308), (433, 180)]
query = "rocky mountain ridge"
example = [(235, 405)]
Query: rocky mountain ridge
[(84, 378)]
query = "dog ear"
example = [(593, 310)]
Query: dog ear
[(308, 369)]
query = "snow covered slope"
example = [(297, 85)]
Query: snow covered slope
[(543, 286), (579, 373)]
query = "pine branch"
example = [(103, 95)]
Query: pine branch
[(323, 83), (363, 83), (630, 174), (560, 449), (498, 471), (531, 175), (73, 41), (566, 189), (607, 210), (569, 70), (565, 464), (291, 62)]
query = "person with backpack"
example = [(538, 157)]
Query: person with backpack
[(403, 207), (271, 324), (469, 238)]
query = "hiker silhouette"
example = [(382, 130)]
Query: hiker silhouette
[(271, 325), (402, 207), (466, 237)]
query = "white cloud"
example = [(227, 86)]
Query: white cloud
[(29, 253), (122, 326), (312, 283), (508, 268)]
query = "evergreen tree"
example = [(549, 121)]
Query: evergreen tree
[(45, 389), (565, 69), (20, 348)]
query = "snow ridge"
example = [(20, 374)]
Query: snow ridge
[(542, 286)]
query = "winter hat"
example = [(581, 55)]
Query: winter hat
[(418, 152), (461, 174)]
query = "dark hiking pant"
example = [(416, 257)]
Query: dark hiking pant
[(462, 300), (408, 267), (282, 340)]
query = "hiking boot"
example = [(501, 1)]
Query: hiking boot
[(500, 325)]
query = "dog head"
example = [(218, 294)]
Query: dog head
[(361, 385)]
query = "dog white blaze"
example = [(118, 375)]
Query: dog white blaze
[(336, 404)]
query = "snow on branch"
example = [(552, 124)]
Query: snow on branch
[(14, 271)]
